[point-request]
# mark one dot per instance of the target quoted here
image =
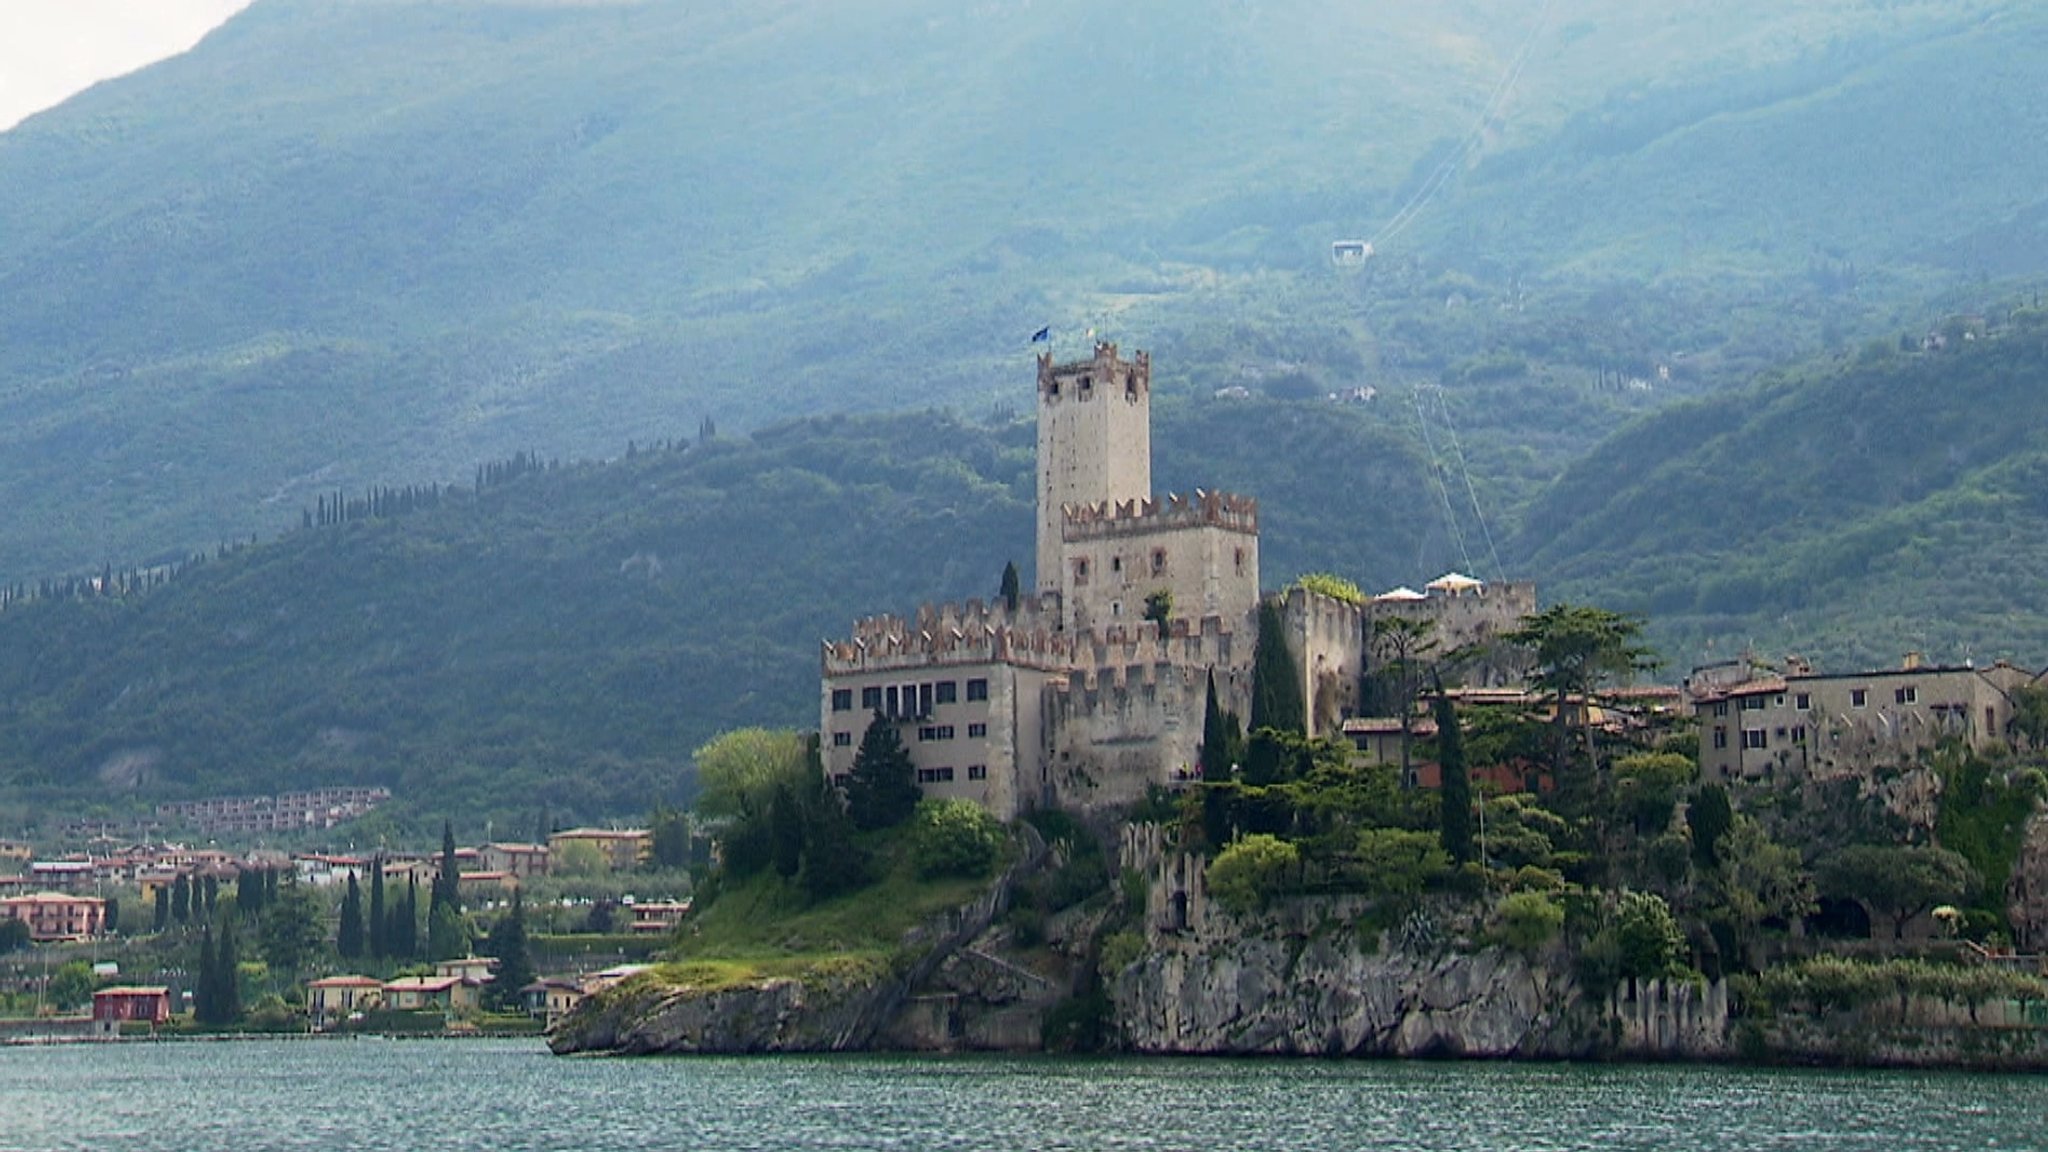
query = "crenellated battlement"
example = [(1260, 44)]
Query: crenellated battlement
[(969, 633), (1104, 374), (1116, 651), (1204, 508)]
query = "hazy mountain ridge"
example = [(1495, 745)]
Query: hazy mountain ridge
[(341, 242)]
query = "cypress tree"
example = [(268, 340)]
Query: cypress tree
[(212, 888), (206, 981), (1010, 590), (181, 899), (447, 885), (1455, 811), (163, 906), (348, 936), (1221, 743), (1276, 683), (881, 791), (380, 944), (785, 832), (407, 936), (226, 967)]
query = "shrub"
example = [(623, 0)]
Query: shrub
[(954, 838), (1529, 920), (1251, 871), (1119, 952)]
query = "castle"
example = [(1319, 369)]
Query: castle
[(1088, 691)]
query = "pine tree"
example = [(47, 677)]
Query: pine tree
[(507, 942), (348, 937), (1276, 681), (881, 791), (380, 927), (1455, 792)]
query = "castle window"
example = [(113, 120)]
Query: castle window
[(1054, 390), (1087, 387), (842, 699), (1240, 561), (934, 775), (871, 698), (1859, 697), (1159, 561), (977, 731), (1131, 387), (947, 691), (977, 690), (1116, 563), (1081, 570), (842, 739), (977, 771)]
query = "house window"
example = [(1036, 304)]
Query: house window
[(839, 779), (977, 690), (1080, 570), (1754, 738), (935, 732), (934, 775), (1804, 702), (1906, 695), (924, 699), (842, 699), (871, 698), (977, 771), (1720, 736), (946, 691), (1752, 703), (1159, 561), (893, 705), (1859, 697), (1799, 733), (1720, 708), (977, 731), (842, 739)]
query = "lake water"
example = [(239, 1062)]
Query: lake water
[(372, 1095)]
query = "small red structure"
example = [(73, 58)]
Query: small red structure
[(112, 1007)]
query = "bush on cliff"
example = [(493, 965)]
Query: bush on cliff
[(1251, 871), (954, 838), (1529, 920)]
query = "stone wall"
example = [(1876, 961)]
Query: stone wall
[(1328, 639)]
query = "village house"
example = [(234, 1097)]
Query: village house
[(622, 850), (453, 995), (54, 916), (330, 1001), (551, 999), (113, 1007), (1757, 724), (657, 917), (520, 861)]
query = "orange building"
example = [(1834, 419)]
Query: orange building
[(56, 915)]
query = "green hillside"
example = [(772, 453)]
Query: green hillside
[(344, 241), (1886, 502), (566, 639)]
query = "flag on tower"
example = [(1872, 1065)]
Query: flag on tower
[(1043, 335)]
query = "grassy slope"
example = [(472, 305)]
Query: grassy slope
[(345, 241)]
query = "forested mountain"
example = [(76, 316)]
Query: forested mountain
[(345, 241), (565, 639), (1890, 501)]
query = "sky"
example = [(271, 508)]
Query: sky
[(52, 49)]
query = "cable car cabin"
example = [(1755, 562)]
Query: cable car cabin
[(1350, 253)]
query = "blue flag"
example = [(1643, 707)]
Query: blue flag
[(1043, 335)]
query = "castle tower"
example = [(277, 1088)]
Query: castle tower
[(1094, 442)]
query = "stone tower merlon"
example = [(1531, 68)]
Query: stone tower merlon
[(1094, 442)]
